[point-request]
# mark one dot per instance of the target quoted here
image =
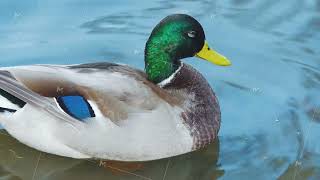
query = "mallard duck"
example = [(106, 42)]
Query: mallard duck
[(113, 111)]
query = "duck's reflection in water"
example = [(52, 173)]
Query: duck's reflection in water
[(18, 161)]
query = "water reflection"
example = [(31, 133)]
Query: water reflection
[(304, 168), (238, 86), (20, 162), (137, 22), (120, 23)]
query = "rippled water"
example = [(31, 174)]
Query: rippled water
[(269, 97)]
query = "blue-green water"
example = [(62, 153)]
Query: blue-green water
[(269, 98)]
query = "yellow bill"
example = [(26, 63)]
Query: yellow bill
[(210, 55)]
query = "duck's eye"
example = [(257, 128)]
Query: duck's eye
[(76, 106), (191, 34)]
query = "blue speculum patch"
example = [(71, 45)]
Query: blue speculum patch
[(76, 106)]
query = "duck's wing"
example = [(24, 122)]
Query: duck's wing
[(105, 89), (115, 111)]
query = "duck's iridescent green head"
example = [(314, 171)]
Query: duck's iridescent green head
[(176, 37)]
